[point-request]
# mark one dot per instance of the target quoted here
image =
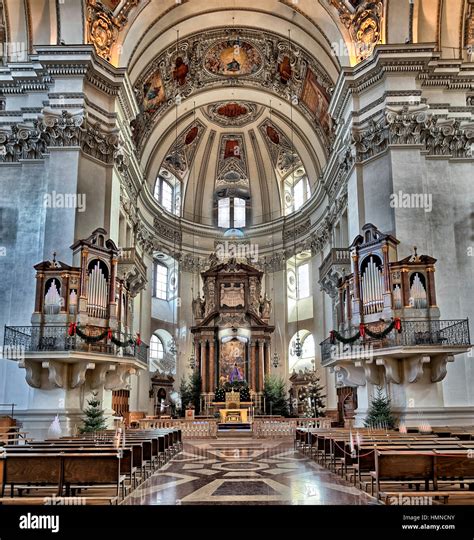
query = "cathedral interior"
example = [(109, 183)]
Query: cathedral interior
[(237, 221)]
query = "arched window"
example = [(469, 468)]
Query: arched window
[(231, 213), (157, 350), (297, 191), (161, 281), (167, 192), (303, 288), (157, 353)]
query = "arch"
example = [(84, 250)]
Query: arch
[(161, 356), (308, 356)]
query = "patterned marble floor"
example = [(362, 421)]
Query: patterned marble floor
[(236, 471)]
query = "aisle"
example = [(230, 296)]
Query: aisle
[(236, 471)]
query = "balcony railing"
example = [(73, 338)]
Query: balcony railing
[(450, 333), (335, 256), (19, 340)]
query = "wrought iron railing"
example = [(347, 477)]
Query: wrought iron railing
[(439, 333), (19, 340)]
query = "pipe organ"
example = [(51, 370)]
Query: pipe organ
[(97, 297), (52, 298), (418, 298), (91, 293), (372, 287), (384, 287)]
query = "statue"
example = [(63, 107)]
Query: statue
[(265, 307), (198, 307), (253, 296), (210, 296), (236, 374), (213, 260)]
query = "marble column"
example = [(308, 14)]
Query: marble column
[(260, 365), (267, 359), (357, 307), (65, 293), (212, 366), (112, 301), (203, 357), (39, 299), (405, 287), (253, 367), (431, 287)]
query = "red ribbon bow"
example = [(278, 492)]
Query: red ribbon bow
[(398, 324), (109, 333), (362, 329), (138, 338), (72, 329)]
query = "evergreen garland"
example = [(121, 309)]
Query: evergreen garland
[(75, 329), (364, 329)]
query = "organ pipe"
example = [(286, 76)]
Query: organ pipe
[(97, 297), (418, 293), (372, 288)]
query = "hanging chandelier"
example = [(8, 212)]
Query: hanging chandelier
[(192, 358), (276, 359), (298, 349), (172, 346)]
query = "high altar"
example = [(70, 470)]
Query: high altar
[(232, 335)]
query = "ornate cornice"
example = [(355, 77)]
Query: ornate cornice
[(52, 130), (448, 138)]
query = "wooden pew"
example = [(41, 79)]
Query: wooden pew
[(85, 470), (394, 466), (32, 469)]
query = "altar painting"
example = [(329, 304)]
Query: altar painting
[(232, 362)]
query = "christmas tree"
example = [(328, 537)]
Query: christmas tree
[(312, 397), (236, 386), (95, 420), (186, 395), (379, 414), (274, 392)]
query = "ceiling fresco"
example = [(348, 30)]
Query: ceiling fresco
[(226, 57), (232, 113), (233, 58)]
